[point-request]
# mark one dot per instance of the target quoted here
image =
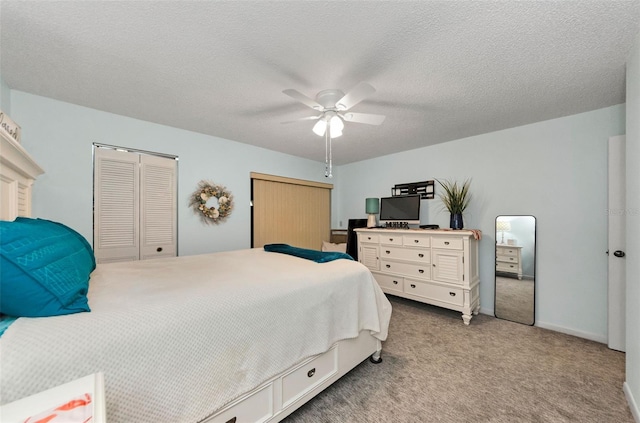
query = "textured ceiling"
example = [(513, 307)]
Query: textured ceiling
[(443, 70)]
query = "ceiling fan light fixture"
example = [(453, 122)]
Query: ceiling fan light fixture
[(320, 127), (336, 125)]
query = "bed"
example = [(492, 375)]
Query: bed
[(237, 336)]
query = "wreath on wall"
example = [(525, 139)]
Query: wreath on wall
[(217, 213)]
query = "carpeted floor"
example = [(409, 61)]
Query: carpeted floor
[(436, 369), (515, 299)]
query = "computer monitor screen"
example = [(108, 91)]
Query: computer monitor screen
[(404, 208)]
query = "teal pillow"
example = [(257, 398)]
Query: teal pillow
[(44, 268)]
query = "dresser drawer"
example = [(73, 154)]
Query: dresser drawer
[(369, 238), (419, 255), (434, 292), (258, 407), (390, 283), (390, 239), (308, 376), (507, 267), (446, 242), (422, 271), (507, 259), (507, 251), (416, 240)]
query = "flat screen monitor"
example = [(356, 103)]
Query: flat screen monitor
[(404, 208)]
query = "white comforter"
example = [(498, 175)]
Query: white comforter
[(179, 338)]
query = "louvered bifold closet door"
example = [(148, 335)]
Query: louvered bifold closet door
[(116, 206), (158, 207)]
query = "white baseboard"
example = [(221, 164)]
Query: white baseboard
[(580, 334), (633, 405), (487, 311)]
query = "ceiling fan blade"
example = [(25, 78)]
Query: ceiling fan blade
[(304, 118), (367, 118), (297, 95), (355, 96)]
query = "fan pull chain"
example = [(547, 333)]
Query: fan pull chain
[(327, 154)]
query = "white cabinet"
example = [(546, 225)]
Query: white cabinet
[(17, 173), (437, 267), (509, 259)]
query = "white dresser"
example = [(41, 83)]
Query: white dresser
[(438, 267), (509, 259)]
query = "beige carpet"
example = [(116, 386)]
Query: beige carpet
[(435, 369), (515, 299)]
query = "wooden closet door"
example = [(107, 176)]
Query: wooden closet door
[(116, 206), (135, 211), (290, 211), (158, 210)]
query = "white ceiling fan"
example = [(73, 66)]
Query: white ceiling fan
[(333, 106)]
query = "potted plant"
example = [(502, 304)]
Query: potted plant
[(455, 199)]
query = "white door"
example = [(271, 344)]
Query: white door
[(135, 210), (616, 243)]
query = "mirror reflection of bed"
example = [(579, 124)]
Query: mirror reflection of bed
[(515, 269)]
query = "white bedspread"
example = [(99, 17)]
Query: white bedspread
[(179, 338)]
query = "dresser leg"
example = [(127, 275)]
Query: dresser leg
[(466, 318)]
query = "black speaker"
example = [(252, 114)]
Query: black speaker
[(352, 237)]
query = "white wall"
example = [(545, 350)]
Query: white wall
[(5, 97), (554, 170), (59, 136), (632, 384)]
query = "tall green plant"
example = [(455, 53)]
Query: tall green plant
[(456, 196)]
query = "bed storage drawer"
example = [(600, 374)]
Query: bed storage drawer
[(308, 376), (257, 407)]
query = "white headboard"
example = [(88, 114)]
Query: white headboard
[(17, 173)]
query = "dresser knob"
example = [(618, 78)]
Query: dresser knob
[(395, 282), (159, 249), (420, 271), (390, 239), (416, 241), (446, 243), (420, 255), (388, 266), (388, 252), (413, 285), (453, 294)]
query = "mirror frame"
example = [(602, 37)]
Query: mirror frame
[(535, 241)]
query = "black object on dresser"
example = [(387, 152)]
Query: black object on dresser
[(352, 237)]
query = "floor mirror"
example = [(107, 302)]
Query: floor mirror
[(515, 268)]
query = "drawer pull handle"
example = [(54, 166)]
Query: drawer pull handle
[(420, 271), (395, 282), (369, 237), (413, 285), (388, 266), (390, 239), (388, 252), (159, 249), (453, 294), (434, 265), (232, 420), (420, 255), (416, 240), (311, 372), (511, 266), (446, 243)]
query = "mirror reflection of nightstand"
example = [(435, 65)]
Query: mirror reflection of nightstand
[(509, 259)]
